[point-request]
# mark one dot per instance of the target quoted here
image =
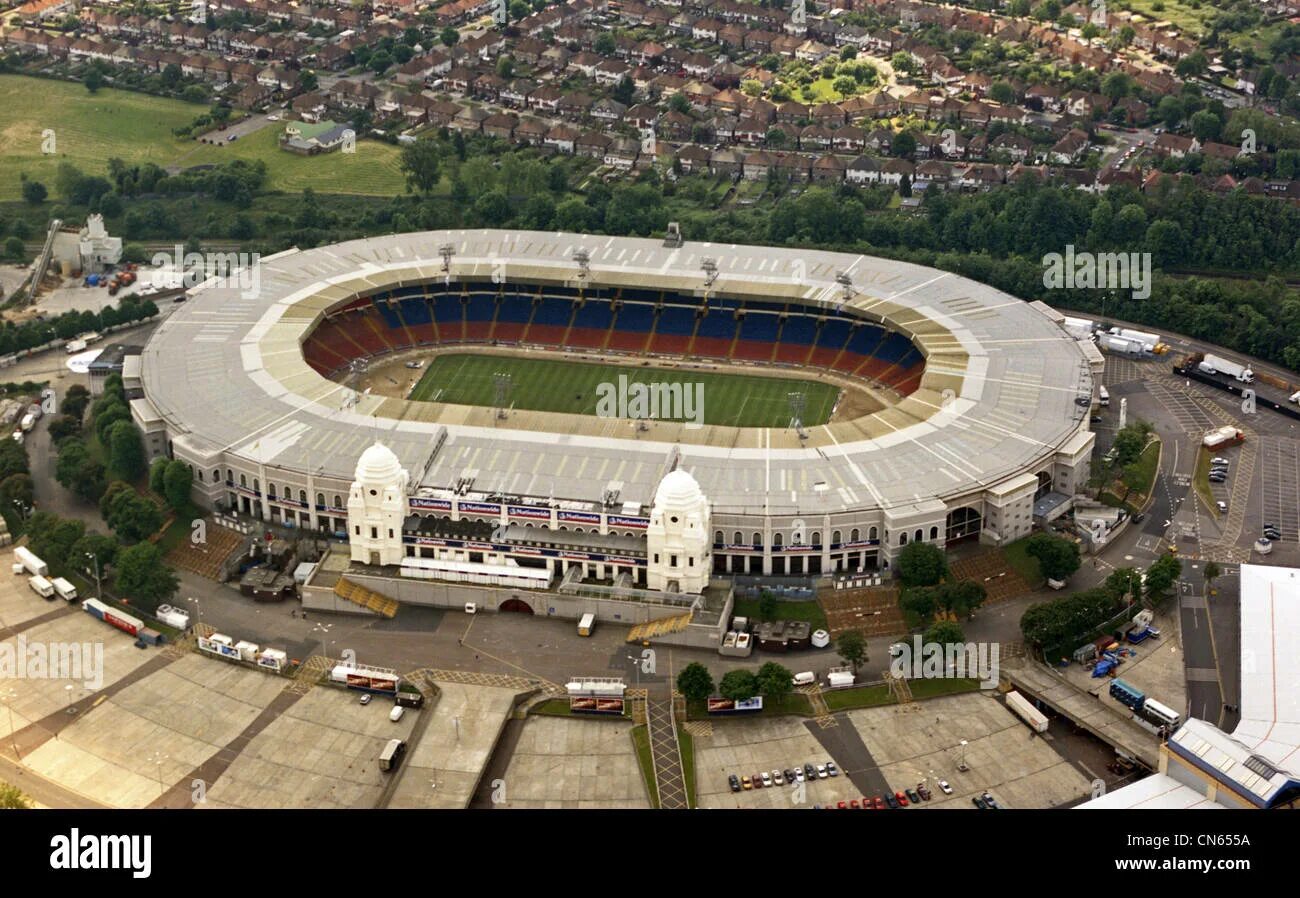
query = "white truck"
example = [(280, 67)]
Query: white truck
[(1123, 345), (1226, 435), (74, 346), (42, 587), (1213, 364), (1025, 710), (30, 562), (66, 590), (838, 679), (1150, 342), (28, 422)]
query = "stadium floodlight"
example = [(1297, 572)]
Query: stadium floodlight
[(845, 280), (446, 251), (710, 266)]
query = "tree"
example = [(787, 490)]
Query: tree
[(63, 427), (920, 602), (767, 605), (921, 564), (695, 682), (132, 517), (738, 685), (421, 164), (775, 682), (449, 36), (852, 647), (1211, 572), (143, 577), (13, 799), (34, 193), (16, 490), (157, 471), (94, 80), (125, 451), (945, 632), (100, 546), (1057, 557), (1161, 576), (966, 597), (177, 480)]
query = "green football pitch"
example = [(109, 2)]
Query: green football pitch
[(584, 388)]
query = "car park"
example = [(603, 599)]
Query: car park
[(832, 769), (1222, 506), (943, 785), (901, 798), (734, 782)]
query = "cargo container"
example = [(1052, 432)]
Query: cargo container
[(369, 679), (247, 650), (114, 618), (30, 562), (838, 679), (391, 756), (273, 659), (586, 624), (1025, 710), (66, 590), (74, 346), (173, 617), (1122, 345), (42, 587), (1149, 342)]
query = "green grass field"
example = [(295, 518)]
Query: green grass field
[(89, 129), (555, 385)]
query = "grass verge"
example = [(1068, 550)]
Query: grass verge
[(641, 741)]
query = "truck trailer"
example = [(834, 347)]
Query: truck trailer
[(1026, 711), (1214, 364), (1122, 345), (1226, 435), (1150, 342), (31, 564)]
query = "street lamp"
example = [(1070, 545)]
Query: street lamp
[(636, 665), (158, 758), (9, 695), (99, 591), (198, 609)]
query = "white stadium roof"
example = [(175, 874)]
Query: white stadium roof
[(225, 372)]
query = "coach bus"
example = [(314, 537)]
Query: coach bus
[(1126, 695)]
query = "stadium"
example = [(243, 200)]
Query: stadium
[(851, 404)]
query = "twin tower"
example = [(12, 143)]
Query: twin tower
[(678, 544)]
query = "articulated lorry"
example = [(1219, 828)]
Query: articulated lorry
[(1214, 364)]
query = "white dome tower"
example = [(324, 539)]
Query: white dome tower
[(678, 538), (377, 507)]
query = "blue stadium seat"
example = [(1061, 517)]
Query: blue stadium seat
[(387, 312), (596, 314), (894, 347), (834, 333), (447, 309), (757, 326), (482, 307), (718, 323), (799, 329), (515, 308), (678, 320), (416, 311), (635, 317), (555, 312)]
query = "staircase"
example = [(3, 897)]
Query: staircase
[(661, 627), (366, 598)]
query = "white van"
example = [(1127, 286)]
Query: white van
[(807, 678), (396, 714), (66, 590), (41, 586), (1103, 397)]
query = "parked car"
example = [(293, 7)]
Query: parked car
[(821, 772), (988, 800), (891, 802), (734, 782), (810, 772), (778, 778), (901, 797), (832, 769), (923, 791), (879, 803), (767, 779), (799, 776), (944, 787), (365, 698), (1218, 461), (979, 803), (746, 783), (790, 776), (1222, 506), (853, 804), (758, 780), (913, 796)]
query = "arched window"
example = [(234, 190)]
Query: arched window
[(216, 475), (717, 538), (739, 539), (320, 499), (835, 537), (902, 538), (934, 533), (854, 535), (243, 481), (338, 501), (257, 485), (816, 538), (758, 540), (872, 534), (302, 496), (776, 540), (919, 536), (270, 490)]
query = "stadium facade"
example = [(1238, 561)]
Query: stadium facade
[(986, 402)]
